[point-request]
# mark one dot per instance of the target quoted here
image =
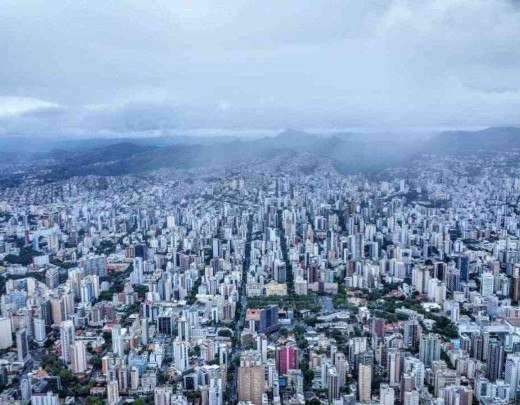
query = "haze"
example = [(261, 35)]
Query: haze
[(97, 68)]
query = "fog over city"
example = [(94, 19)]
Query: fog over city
[(162, 67)]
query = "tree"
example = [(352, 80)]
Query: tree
[(96, 362), (92, 400), (283, 332), (225, 333)]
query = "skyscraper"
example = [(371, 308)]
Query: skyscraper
[(412, 333), (377, 330), (332, 384), (49, 398), (117, 340), (429, 349), (386, 395), (487, 284), (393, 364), (40, 333), (52, 277), (251, 383), (163, 395), (287, 359), (112, 393), (66, 339), (365, 382), (22, 345), (180, 354), (495, 359), (78, 357), (6, 338)]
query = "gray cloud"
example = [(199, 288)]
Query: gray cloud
[(164, 66)]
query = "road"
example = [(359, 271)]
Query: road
[(239, 325)]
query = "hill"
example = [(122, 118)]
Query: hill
[(487, 140)]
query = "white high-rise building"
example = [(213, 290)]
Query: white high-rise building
[(170, 222), (6, 333), (40, 334), (117, 340), (48, 398), (512, 373), (163, 395), (78, 357), (429, 349), (415, 367), (411, 398), (112, 393), (67, 333), (394, 366), (386, 395), (487, 284), (137, 276), (180, 355), (215, 392)]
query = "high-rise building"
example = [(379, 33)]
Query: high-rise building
[(457, 395), (215, 393), (411, 398), (429, 349), (263, 320), (412, 333), (464, 268), (52, 278), (183, 329), (512, 373), (251, 384), (67, 334), (40, 332), (180, 354), (487, 284), (112, 392), (340, 362), (49, 398), (78, 357), (332, 384), (89, 289), (22, 345), (386, 395), (365, 382), (6, 334), (287, 359), (377, 330), (117, 340), (57, 310), (163, 395), (495, 359), (515, 291), (393, 364), (137, 276)]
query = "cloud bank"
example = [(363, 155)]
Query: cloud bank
[(78, 67)]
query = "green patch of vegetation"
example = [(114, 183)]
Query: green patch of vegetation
[(299, 334), (292, 301), (25, 257)]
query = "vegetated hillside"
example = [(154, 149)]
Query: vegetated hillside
[(487, 140), (128, 158)]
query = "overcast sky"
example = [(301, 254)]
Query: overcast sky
[(104, 67)]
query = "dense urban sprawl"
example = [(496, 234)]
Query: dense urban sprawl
[(264, 284)]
